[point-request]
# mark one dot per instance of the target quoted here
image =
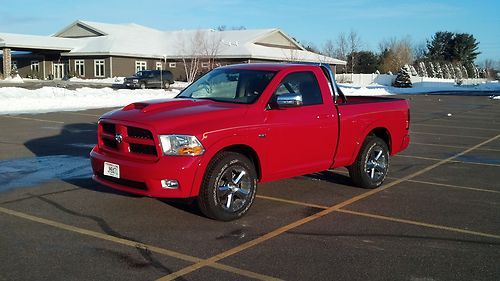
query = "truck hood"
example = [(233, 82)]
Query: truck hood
[(180, 116)]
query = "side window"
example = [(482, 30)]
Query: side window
[(303, 83)]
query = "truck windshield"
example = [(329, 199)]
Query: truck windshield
[(229, 85)]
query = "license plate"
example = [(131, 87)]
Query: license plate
[(112, 170)]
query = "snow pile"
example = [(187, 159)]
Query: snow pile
[(114, 80), (419, 88), (15, 79), (15, 100)]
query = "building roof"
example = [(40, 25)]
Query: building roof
[(82, 38), (22, 41)]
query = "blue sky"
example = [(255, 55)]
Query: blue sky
[(307, 20)]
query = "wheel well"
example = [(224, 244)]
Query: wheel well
[(248, 152), (383, 134)]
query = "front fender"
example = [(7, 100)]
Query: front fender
[(236, 140)]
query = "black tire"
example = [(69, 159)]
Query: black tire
[(142, 85), (372, 164), (228, 188)]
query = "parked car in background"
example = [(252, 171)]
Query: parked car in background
[(150, 79)]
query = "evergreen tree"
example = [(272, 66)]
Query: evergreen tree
[(476, 71), (452, 71), (440, 45), (471, 70), (465, 48), (364, 62), (413, 71), (446, 71), (458, 74), (438, 70), (452, 47), (422, 70), (430, 70), (465, 74), (403, 80)]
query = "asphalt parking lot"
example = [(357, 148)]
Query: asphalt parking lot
[(437, 217)]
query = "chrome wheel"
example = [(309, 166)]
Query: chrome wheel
[(233, 188), (229, 186), (376, 164), (372, 163)]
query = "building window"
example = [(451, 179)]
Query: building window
[(140, 65), (204, 64), (172, 65), (35, 66), (99, 68), (80, 68), (159, 65)]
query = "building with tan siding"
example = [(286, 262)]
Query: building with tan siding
[(102, 50)]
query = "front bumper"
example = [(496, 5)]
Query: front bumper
[(131, 85), (144, 177)]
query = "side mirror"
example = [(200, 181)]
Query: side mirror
[(289, 100)]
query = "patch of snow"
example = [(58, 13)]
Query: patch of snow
[(114, 80), (25, 172), (14, 100), (15, 79)]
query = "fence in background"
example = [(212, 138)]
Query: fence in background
[(387, 80)]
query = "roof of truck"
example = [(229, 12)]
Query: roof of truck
[(269, 66)]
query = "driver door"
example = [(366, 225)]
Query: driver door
[(300, 139)]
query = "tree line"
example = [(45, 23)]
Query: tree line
[(445, 54)]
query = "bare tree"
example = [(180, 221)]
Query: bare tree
[(341, 50), (211, 45), (329, 48), (395, 54), (190, 52), (203, 45), (419, 51), (354, 44), (291, 54)]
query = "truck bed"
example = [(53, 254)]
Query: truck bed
[(360, 115)]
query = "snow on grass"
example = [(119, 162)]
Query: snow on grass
[(15, 79), (114, 80), (14, 100)]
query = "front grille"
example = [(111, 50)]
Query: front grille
[(127, 183), (127, 140), (139, 133), (111, 143), (142, 149), (108, 128)]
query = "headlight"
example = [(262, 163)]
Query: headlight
[(181, 145)]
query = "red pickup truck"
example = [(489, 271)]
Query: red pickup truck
[(241, 125)]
